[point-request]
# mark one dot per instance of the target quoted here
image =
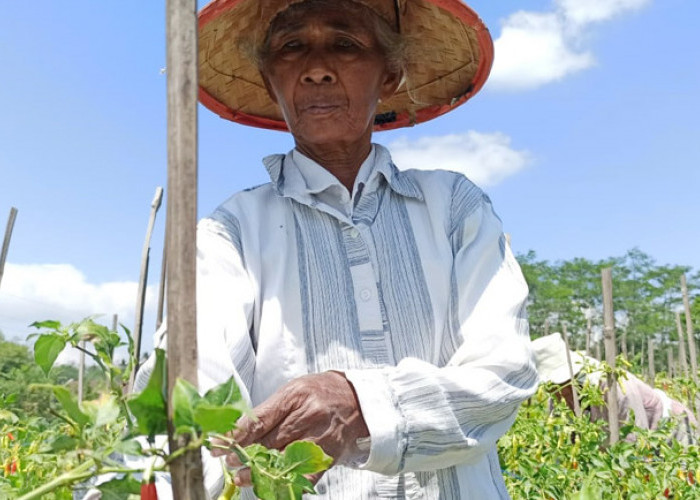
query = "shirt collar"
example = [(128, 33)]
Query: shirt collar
[(288, 179)]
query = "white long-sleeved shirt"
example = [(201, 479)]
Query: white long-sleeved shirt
[(407, 285)]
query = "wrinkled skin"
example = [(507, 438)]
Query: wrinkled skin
[(321, 407), (327, 72)]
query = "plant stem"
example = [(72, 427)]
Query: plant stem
[(81, 472)]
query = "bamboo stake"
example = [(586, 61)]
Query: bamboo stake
[(610, 354), (682, 359), (671, 368), (652, 368), (81, 371), (572, 379), (161, 286), (598, 354), (143, 282), (589, 329), (181, 63), (6, 240), (689, 330)]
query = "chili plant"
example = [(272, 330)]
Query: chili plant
[(95, 434)]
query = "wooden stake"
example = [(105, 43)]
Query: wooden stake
[(163, 280), (610, 354), (682, 359), (671, 369), (6, 240), (572, 379), (181, 63), (689, 330), (589, 329), (652, 368), (143, 283), (81, 372)]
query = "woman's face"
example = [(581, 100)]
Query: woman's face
[(326, 71)]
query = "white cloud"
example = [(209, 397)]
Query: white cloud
[(37, 292), (536, 48), (486, 159), (583, 12), (533, 50)]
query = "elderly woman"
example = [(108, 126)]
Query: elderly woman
[(376, 312)]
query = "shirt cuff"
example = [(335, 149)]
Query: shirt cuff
[(383, 419)]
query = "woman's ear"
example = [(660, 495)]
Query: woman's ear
[(392, 82)]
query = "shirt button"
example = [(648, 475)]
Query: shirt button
[(366, 294), (354, 233), (321, 489)]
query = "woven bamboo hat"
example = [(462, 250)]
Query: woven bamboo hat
[(450, 57)]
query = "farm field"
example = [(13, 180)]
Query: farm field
[(49, 441)]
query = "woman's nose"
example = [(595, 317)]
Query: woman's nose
[(318, 69)]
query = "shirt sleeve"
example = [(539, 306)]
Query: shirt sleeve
[(425, 417)]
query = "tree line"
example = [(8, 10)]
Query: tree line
[(568, 294)]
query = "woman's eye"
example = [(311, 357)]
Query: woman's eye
[(291, 45), (345, 43)]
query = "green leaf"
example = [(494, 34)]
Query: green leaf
[(70, 405), (63, 443), (128, 447), (227, 393), (8, 416), (304, 457), (48, 324), (120, 489), (185, 399), (102, 411), (220, 419), (148, 407), (303, 485), (46, 350), (263, 485)]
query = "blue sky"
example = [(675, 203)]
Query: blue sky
[(586, 138)]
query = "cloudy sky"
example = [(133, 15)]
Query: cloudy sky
[(586, 137)]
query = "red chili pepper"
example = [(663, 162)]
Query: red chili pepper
[(691, 477), (148, 492), (9, 435), (667, 493), (13, 467)]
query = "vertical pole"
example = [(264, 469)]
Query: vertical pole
[(610, 354), (689, 330), (6, 240), (81, 372), (671, 369), (589, 328), (143, 282), (161, 286), (682, 358), (652, 368), (572, 379), (181, 63), (598, 354)]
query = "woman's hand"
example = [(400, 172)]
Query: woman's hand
[(322, 408)]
